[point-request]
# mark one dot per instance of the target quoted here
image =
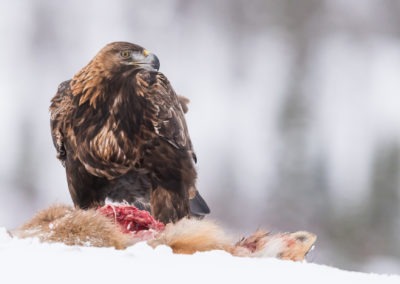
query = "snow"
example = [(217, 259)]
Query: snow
[(29, 261)]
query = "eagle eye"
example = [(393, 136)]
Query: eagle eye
[(125, 53)]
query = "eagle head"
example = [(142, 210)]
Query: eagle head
[(112, 60), (122, 55)]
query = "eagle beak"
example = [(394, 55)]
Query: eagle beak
[(151, 59)]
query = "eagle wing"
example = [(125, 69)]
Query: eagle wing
[(60, 110), (166, 115), (165, 111)]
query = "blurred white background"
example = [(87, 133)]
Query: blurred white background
[(294, 114)]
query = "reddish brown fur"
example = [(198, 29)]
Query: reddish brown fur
[(61, 223), (190, 235), (64, 224)]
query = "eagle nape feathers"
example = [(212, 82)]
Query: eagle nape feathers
[(119, 130)]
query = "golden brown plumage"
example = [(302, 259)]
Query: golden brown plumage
[(119, 129)]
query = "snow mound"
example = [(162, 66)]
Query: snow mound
[(29, 261)]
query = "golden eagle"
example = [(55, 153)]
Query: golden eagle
[(119, 130)]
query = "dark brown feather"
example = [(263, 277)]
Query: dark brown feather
[(120, 131)]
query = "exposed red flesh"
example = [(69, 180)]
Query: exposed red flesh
[(131, 219)]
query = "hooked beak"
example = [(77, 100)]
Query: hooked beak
[(151, 59)]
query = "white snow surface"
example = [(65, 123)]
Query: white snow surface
[(29, 261)]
